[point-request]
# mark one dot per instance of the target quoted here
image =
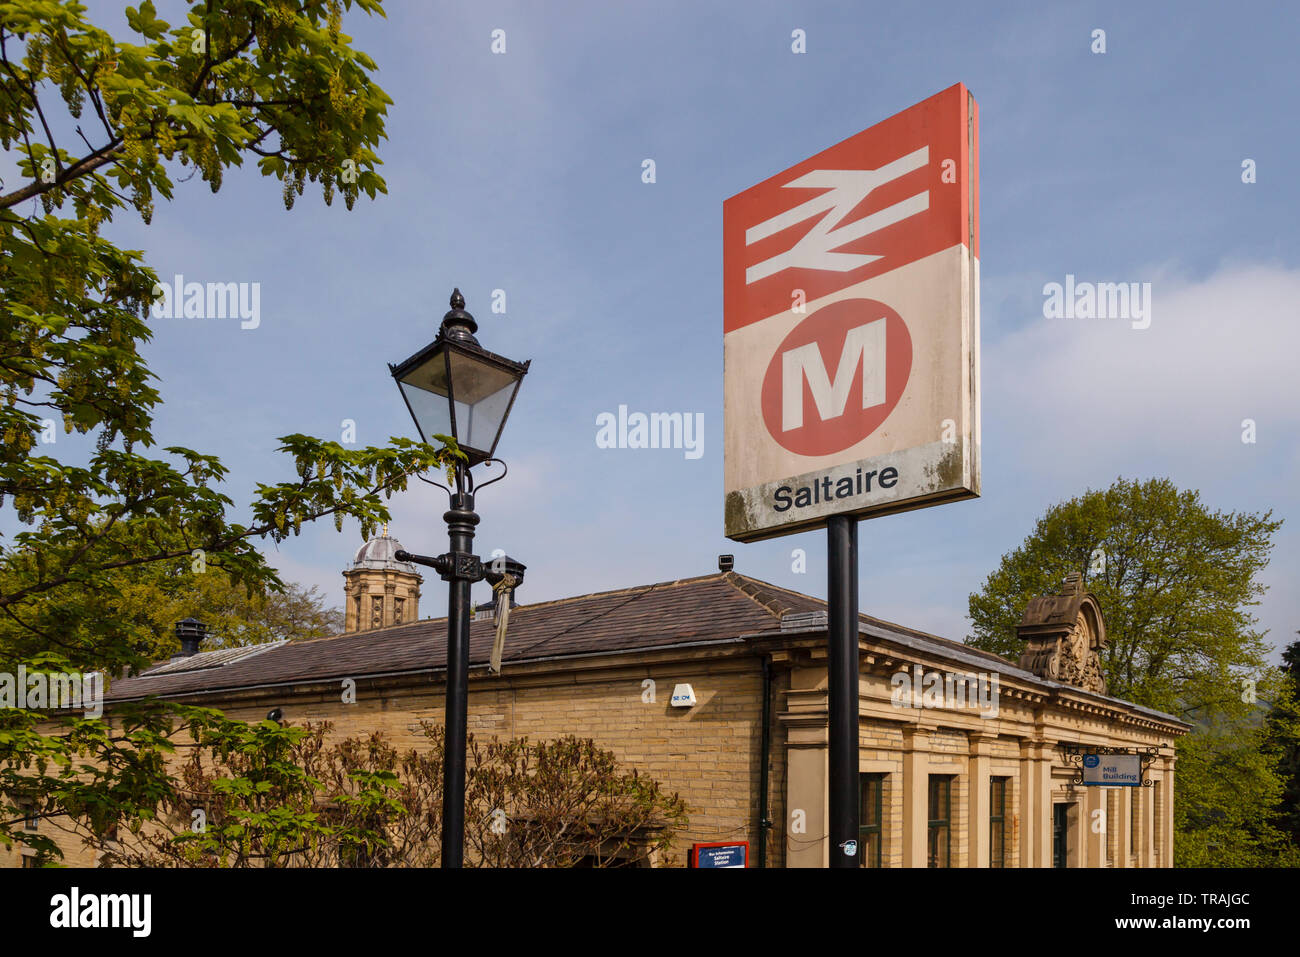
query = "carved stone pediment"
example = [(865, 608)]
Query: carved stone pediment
[(1064, 635)]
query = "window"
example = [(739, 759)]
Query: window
[(31, 821), (940, 838), (1134, 816), (870, 790), (1060, 835), (998, 822), (397, 610), (1158, 823)]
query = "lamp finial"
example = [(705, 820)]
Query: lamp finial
[(459, 324)]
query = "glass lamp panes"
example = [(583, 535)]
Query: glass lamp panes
[(481, 385), (483, 391), (425, 389)]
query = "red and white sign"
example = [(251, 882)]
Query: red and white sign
[(851, 326)]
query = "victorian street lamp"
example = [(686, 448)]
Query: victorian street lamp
[(454, 386)]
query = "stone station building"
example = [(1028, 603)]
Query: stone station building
[(989, 778)]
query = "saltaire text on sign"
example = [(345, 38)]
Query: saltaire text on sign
[(851, 327)]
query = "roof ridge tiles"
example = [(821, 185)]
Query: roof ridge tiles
[(619, 591), (522, 606), (862, 616), (753, 589)]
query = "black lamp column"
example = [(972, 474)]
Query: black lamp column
[(460, 568), (464, 571), (842, 692)]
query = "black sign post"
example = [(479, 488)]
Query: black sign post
[(842, 687)]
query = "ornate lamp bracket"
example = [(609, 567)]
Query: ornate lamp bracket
[(449, 566)]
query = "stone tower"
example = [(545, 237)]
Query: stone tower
[(380, 591)]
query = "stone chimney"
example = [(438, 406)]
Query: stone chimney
[(191, 633)]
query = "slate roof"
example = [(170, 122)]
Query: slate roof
[(725, 607), (211, 659)]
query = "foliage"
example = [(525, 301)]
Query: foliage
[(235, 615), (1176, 582), (278, 797), (1226, 784), (100, 125), (560, 804), (1283, 734), (92, 776)]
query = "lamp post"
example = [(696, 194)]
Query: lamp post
[(453, 386)]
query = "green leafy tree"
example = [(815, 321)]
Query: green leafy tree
[(1228, 791), (235, 615), (1176, 581), (100, 126), (1284, 734)]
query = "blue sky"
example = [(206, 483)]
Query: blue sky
[(522, 172)]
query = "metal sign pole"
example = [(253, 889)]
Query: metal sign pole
[(842, 687)]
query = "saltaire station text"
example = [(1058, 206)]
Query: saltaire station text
[(824, 490)]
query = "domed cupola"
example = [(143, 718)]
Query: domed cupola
[(380, 590), (381, 552)]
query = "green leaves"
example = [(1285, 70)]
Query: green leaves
[(1176, 582), (278, 80), (334, 479), (274, 80), (145, 21), (1226, 785)]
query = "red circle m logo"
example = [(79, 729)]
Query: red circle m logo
[(836, 377)]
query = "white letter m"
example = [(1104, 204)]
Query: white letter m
[(866, 342)]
